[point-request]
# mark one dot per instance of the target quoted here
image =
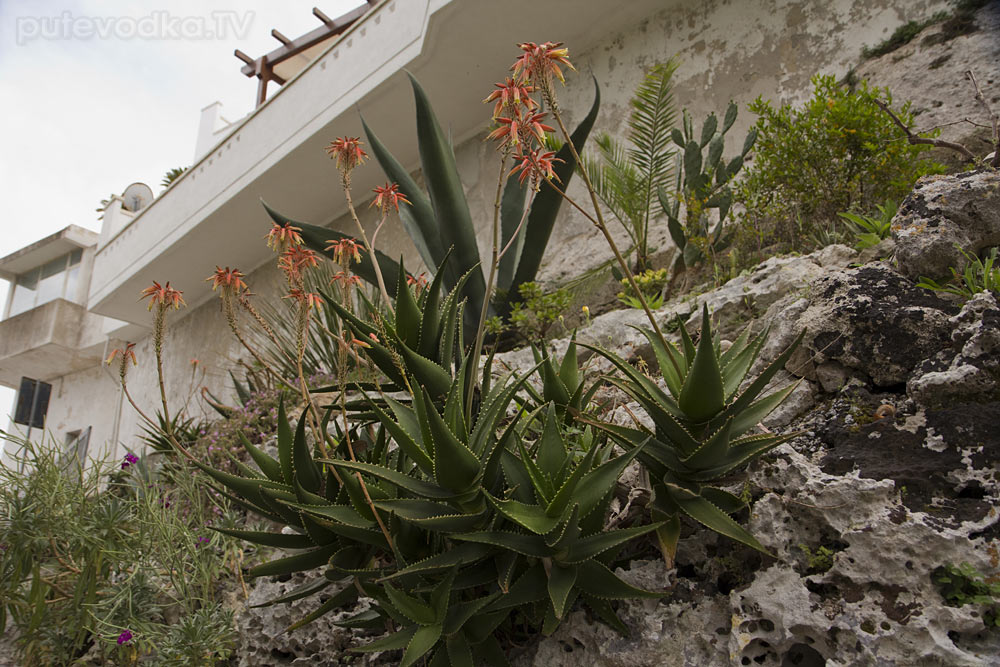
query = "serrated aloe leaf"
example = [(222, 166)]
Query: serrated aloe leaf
[(642, 386), (713, 451), (531, 517), (285, 443), (447, 194), (412, 607), (545, 208), (366, 619), (561, 581), (306, 560), (596, 580), (562, 537), (461, 554), (260, 509), (742, 452), (418, 218), (542, 485), (725, 501), (243, 469), (459, 653), (704, 512), (760, 382), (346, 596), (456, 467), (408, 314), (406, 432), (430, 325), (668, 535), (268, 465), (247, 488), (304, 469), (603, 610), (586, 548), (267, 539), (597, 482), (297, 593), (671, 362), (517, 477), (396, 478), (511, 210), (567, 492), (427, 372), (392, 642), (526, 545), (423, 640), (529, 587), (553, 388), (441, 595), (755, 412), (339, 513), (667, 425), (687, 345), (454, 404), (569, 369), (702, 396), (551, 453), (735, 369)]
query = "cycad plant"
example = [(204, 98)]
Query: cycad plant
[(628, 178), (700, 422)]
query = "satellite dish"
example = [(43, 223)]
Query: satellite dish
[(136, 197)]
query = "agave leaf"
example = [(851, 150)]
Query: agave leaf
[(412, 607), (346, 596), (545, 208), (269, 466), (598, 581), (511, 210), (456, 467), (279, 540), (408, 314), (418, 218), (586, 548), (702, 395), (704, 512), (561, 581), (297, 593), (391, 642), (422, 641), (396, 478), (305, 560), (527, 545), (532, 517), (304, 469)]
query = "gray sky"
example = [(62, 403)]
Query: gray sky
[(88, 108)]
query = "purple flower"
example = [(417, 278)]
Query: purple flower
[(125, 637), (130, 459), (203, 540)]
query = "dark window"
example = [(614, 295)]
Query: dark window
[(32, 403)]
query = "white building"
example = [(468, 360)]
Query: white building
[(75, 294)]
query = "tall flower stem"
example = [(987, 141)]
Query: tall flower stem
[(477, 347), (550, 100), (346, 182)]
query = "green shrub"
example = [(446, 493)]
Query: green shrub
[(651, 283), (978, 276), (869, 230), (537, 312), (838, 152)]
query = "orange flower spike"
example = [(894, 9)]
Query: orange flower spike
[(283, 236), (387, 195), (228, 279), (347, 151), (509, 130), (533, 126), (162, 295), (128, 353), (343, 248), (510, 94), (311, 299), (539, 61)]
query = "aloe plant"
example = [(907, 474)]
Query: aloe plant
[(700, 426)]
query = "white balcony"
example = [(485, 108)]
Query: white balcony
[(212, 214)]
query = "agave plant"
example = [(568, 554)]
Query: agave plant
[(700, 426)]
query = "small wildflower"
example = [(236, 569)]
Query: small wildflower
[(228, 279), (125, 637), (586, 311), (127, 353), (203, 540), (344, 250), (387, 195), (130, 460), (283, 236), (347, 151), (162, 295)]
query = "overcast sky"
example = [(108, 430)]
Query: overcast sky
[(97, 95)]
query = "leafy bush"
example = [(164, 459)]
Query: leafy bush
[(869, 230), (901, 36), (536, 312), (652, 284), (838, 152), (961, 585)]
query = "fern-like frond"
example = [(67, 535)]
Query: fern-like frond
[(653, 117)]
